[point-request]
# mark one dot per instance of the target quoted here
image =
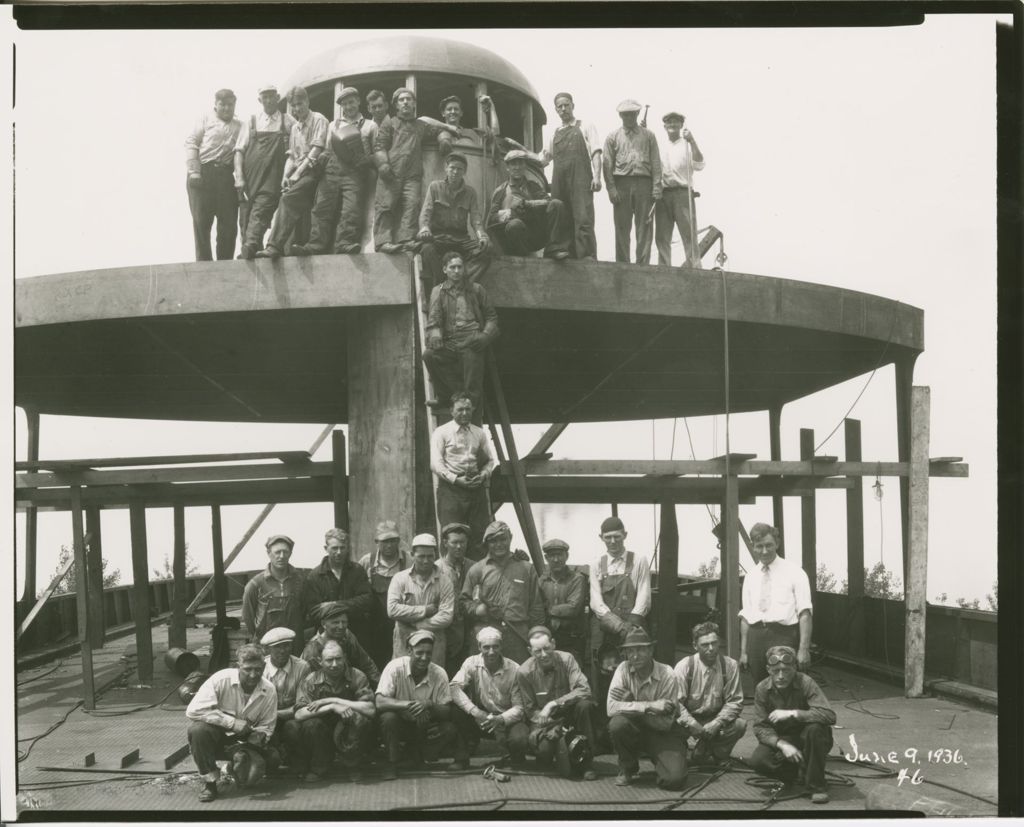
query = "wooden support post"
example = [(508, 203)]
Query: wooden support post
[(129, 758), (338, 86), (729, 585), (904, 386), (668, 567), (340, 479), (31, 513), (82, 598), (140, 589), (220, 585), (410, 82), (615, 509), (775, 440), (176, 634), (480, 89), (94, 562), (528, 141), (855, 544), (917, 573), (808, 517)]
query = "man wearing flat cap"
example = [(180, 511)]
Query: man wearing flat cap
[(302, 172), (451, 116), (643, 703), (523, 218), (793, 723), (381, 566), (680, 156), (632, 174), (338, 579), (487, 702), (335, 713), (274, 597), (286, 672), (450, 222), (620, 588), (421, 597), (260, 153), (565, 598), (453, 563), (502, 591), (338, 214), (555, 694), (332, 622), (414, 703), (209, 161)]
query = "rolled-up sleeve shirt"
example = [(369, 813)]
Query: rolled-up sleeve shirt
[(705, 694), (211, 141), (678, 164), (565, 597), (306, 135), (460, 450), (790, 594), (264, 123), (511, 587), (475, 688), (396, 682), (803, 695), (590, 138), (221, 702), (408, 598), (450, 211), (641, 577), (401, 141), (629, 693), (565, 683), (633, 152), (286, 679)]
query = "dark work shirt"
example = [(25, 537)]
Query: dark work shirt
[(564, 598), (353, 686), (443, 305), (354, 654), (352, 591), (803, 694), (447, 211), (402, 141), (508, 195), (510, 587)]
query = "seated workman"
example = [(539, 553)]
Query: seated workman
[(333, 624), (487, 702), (556, 696), (793, 725), (286, 672), (523, 218), (643, 703), (335, 711), (234, 712), (711, 697), (414, 704)]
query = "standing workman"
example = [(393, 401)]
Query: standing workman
[(632, 174), (338, 214), (377, 106), (286, 672), (565, 599), (339, 580), (620, 588), (209, 161), (303, 169), (522, 217), (450, 221), (502, 591), (381, 565), (421, 597), (260, 155), (451, 115), (455, 540), (462, 459), (776, 605), (274, 597), (680, 156)]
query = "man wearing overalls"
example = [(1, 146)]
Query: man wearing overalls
[(259, 167), (381, 566)]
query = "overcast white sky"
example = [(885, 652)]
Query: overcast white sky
[(861, 158)]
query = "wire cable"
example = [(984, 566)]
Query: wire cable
[(35, 739), (60, 663)]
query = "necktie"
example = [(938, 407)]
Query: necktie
[(766, 590)]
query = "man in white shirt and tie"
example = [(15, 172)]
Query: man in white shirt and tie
[(776, 605)]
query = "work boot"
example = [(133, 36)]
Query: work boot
[(624, 778), (390, 248), (589, 775), (208, 792), (312, 778), (347, 249), (820, 797), (302, 250), (459, 764), (561, 255), (269, 252), (248, 253)]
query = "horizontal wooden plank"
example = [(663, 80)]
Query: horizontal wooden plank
[(169, 459), (664, 467), (143, 476)]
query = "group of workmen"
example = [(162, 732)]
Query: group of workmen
[(417, 656), (307, 182)]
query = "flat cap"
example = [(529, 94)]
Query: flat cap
[(516, 155), (612, 524), (628, 105), (672, 116), (538, 630), (224, 95), (457, 156), (636, 637), (330, 610), (419, 636), (279, 634), (424, 540), (554, 544), (496, 528), (451, 99), (266, 87), (280, 538), (386, 530), (346, 92), (450, 527)]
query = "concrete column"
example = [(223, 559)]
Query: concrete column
[(917, 573), (855, 543), (382, 364), (775, 443)]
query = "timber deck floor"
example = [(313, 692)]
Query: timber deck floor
[(151, 719)]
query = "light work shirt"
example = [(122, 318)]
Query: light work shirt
[(307, 134), (641, 577), (211, 141), (396, 682), (286, 680), (375, 564), (706, 694), (460, 450), (678, 164), (633, 152), (221, 702), (408, 598), (790, 594), (476, 688), (629, 693)]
